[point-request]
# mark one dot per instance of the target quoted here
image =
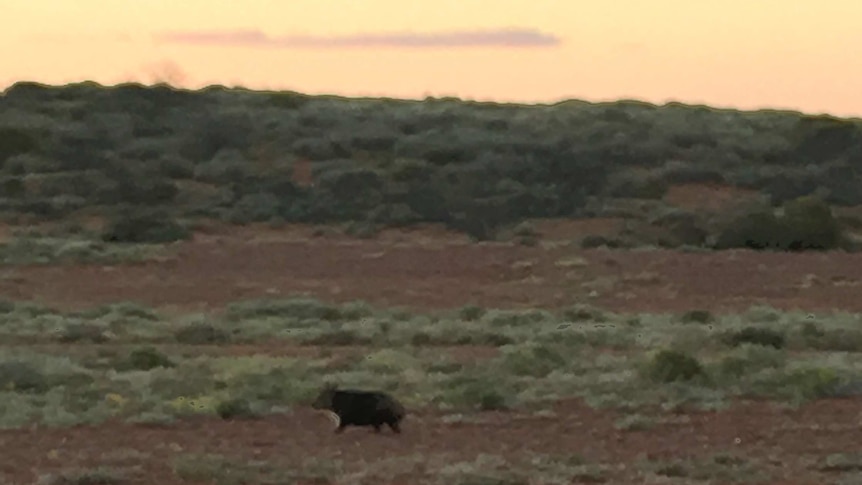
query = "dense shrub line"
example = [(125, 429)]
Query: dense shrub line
[(476, 167)]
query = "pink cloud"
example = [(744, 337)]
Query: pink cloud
[(477, 38), (59, 38)]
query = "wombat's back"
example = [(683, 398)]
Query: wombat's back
[(370, 400), (362, 408), (385, 401)]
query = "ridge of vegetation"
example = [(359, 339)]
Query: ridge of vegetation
[(152, 159)]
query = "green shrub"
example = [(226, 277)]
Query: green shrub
[(811, 225), (471, 313), (492, 400), (839, 339), (14, 141), (338, 337), (12, 187), (697, 316), (682, 228), (636, 185), (201, 334), (515, 318), (533, 360), (235, 408), (525, 229), (421, 339), (78, 332), (297, 308), (811, 330), (762, 314), (482, 393), (593, 241), (760, 229), (634, 422), (756, 336), (750, 359), (22, 377), (805, 383), (63, 250), (672, 365), (807, 224), (121, 310), (7, 306), (394, 215), (362, 229), (148, 358), (144, 227), (258, 207), (789, 185), (486, 338), (582, 313)]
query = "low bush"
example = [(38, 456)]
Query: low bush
[(756, 336), (144, 227), (807, 224), (148, 358), (671, 365)]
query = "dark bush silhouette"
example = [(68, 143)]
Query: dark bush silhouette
[(807, 224), (756, 230), (811, 225), (201, 334), (235, 409), (823, 137), (144, 227), (476, 167), (672, 365), (14, 141), (756, 336), (148, 358), (682, 228), (697, 316)]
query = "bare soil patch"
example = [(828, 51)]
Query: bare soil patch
[(786, 444), (428, 270)]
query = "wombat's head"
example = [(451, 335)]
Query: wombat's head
[(324, 399)]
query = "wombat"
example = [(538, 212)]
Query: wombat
[(361, 408)]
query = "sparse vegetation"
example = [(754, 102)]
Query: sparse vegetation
[(47, 250), (726, 468), (95, 476), (671, 365), (534, 354), (117, 175), (807, 223), (757, 336), (160, 384)]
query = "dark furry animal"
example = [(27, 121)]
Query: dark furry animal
[(361, 408)]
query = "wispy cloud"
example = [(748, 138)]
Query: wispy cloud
[(475, 38), (60, 38)]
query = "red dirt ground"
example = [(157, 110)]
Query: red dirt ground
[(430, 269), (773, 439)]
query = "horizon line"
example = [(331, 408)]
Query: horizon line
[(545, 103)]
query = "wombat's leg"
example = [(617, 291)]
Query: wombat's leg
[(340, 428), (377, 427), (395, 427)]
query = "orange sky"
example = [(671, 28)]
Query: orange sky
[(796, 54)]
